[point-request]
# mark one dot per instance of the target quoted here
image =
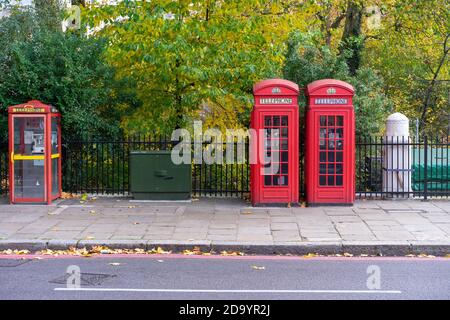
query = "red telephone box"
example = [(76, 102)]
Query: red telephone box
[(35, 153), (274, 120), (330, 143)]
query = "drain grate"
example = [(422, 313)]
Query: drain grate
[(86, 279), (12, 263)]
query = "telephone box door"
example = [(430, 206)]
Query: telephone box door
[(28, 167), (276, 151)]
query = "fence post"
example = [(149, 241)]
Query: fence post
[(425, 169)]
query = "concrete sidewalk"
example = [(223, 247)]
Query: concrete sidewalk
[(369, 227)]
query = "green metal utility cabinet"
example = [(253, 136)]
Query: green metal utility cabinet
[(153, 176)]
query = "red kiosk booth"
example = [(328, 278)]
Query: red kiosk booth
[(330, 143), (274, 165), (35, 153)]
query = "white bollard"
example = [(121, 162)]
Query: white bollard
[(397, 157)]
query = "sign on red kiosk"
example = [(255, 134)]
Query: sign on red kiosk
[(330, 143), (34, 153), (274, 120)]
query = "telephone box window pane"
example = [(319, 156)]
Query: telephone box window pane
[(268, 121), (339, 144), (284, 145), (284, 156), (323, 168), (267, 133), (339, 181), (284, 120), (330, 121), (323, 121), (331, 144), (284, 168), (283, 180), (323, 157), (275, 157), (339, 168), (276, 121), (339, 133), (323, 180), (331, 180), (322, 144), (267, 170), (284, 132), (267, 180), (339, 121), (331, 156), (331, 168), (339, 156), (331, 133), (275, 180), (323, 133)]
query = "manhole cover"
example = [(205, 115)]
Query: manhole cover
[(12, 263), (87, 279)]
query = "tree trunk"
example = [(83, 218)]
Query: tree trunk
[(351, 38)]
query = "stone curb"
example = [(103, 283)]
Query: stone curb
[(400, 248)]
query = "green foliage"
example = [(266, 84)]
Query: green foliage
[(307, 60), (67, 70)]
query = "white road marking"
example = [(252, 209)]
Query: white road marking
[(225, 291)]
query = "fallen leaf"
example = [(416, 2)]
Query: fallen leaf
[(346, 254), (310, 255), (92, 212), (258, 268), (114, 264), (246, 212), (160, 261)]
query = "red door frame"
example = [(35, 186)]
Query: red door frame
[(265, 91), (12, 197), (36, 109), (329, 90)]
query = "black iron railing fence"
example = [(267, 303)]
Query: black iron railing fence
[(385, 167)]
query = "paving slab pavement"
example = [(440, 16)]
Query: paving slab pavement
[(375, 227)]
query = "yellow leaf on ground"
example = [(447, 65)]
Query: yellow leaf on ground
[(258, 268)]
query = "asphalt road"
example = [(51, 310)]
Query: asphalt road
[(180, 277)]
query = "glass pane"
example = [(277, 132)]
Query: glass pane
[(267, 180), (339, 144), (275, 180), (331, 121), (268, 121), (330, 180), (55, 131), (276, 121), (284, 120), (284, 156), (283, 180), (29, 136), (322, 180), (284, 145), (339, 180), (339, 168), (331, 168), (322, 144), (284, 168), (339, 121), (339, 133), (331, 144), (323, 157), (331, 133), (322, 133), (331, 156), (29, 179), (284, 132), (55, 177), (323, 168), (339, 156), (323, 121)]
